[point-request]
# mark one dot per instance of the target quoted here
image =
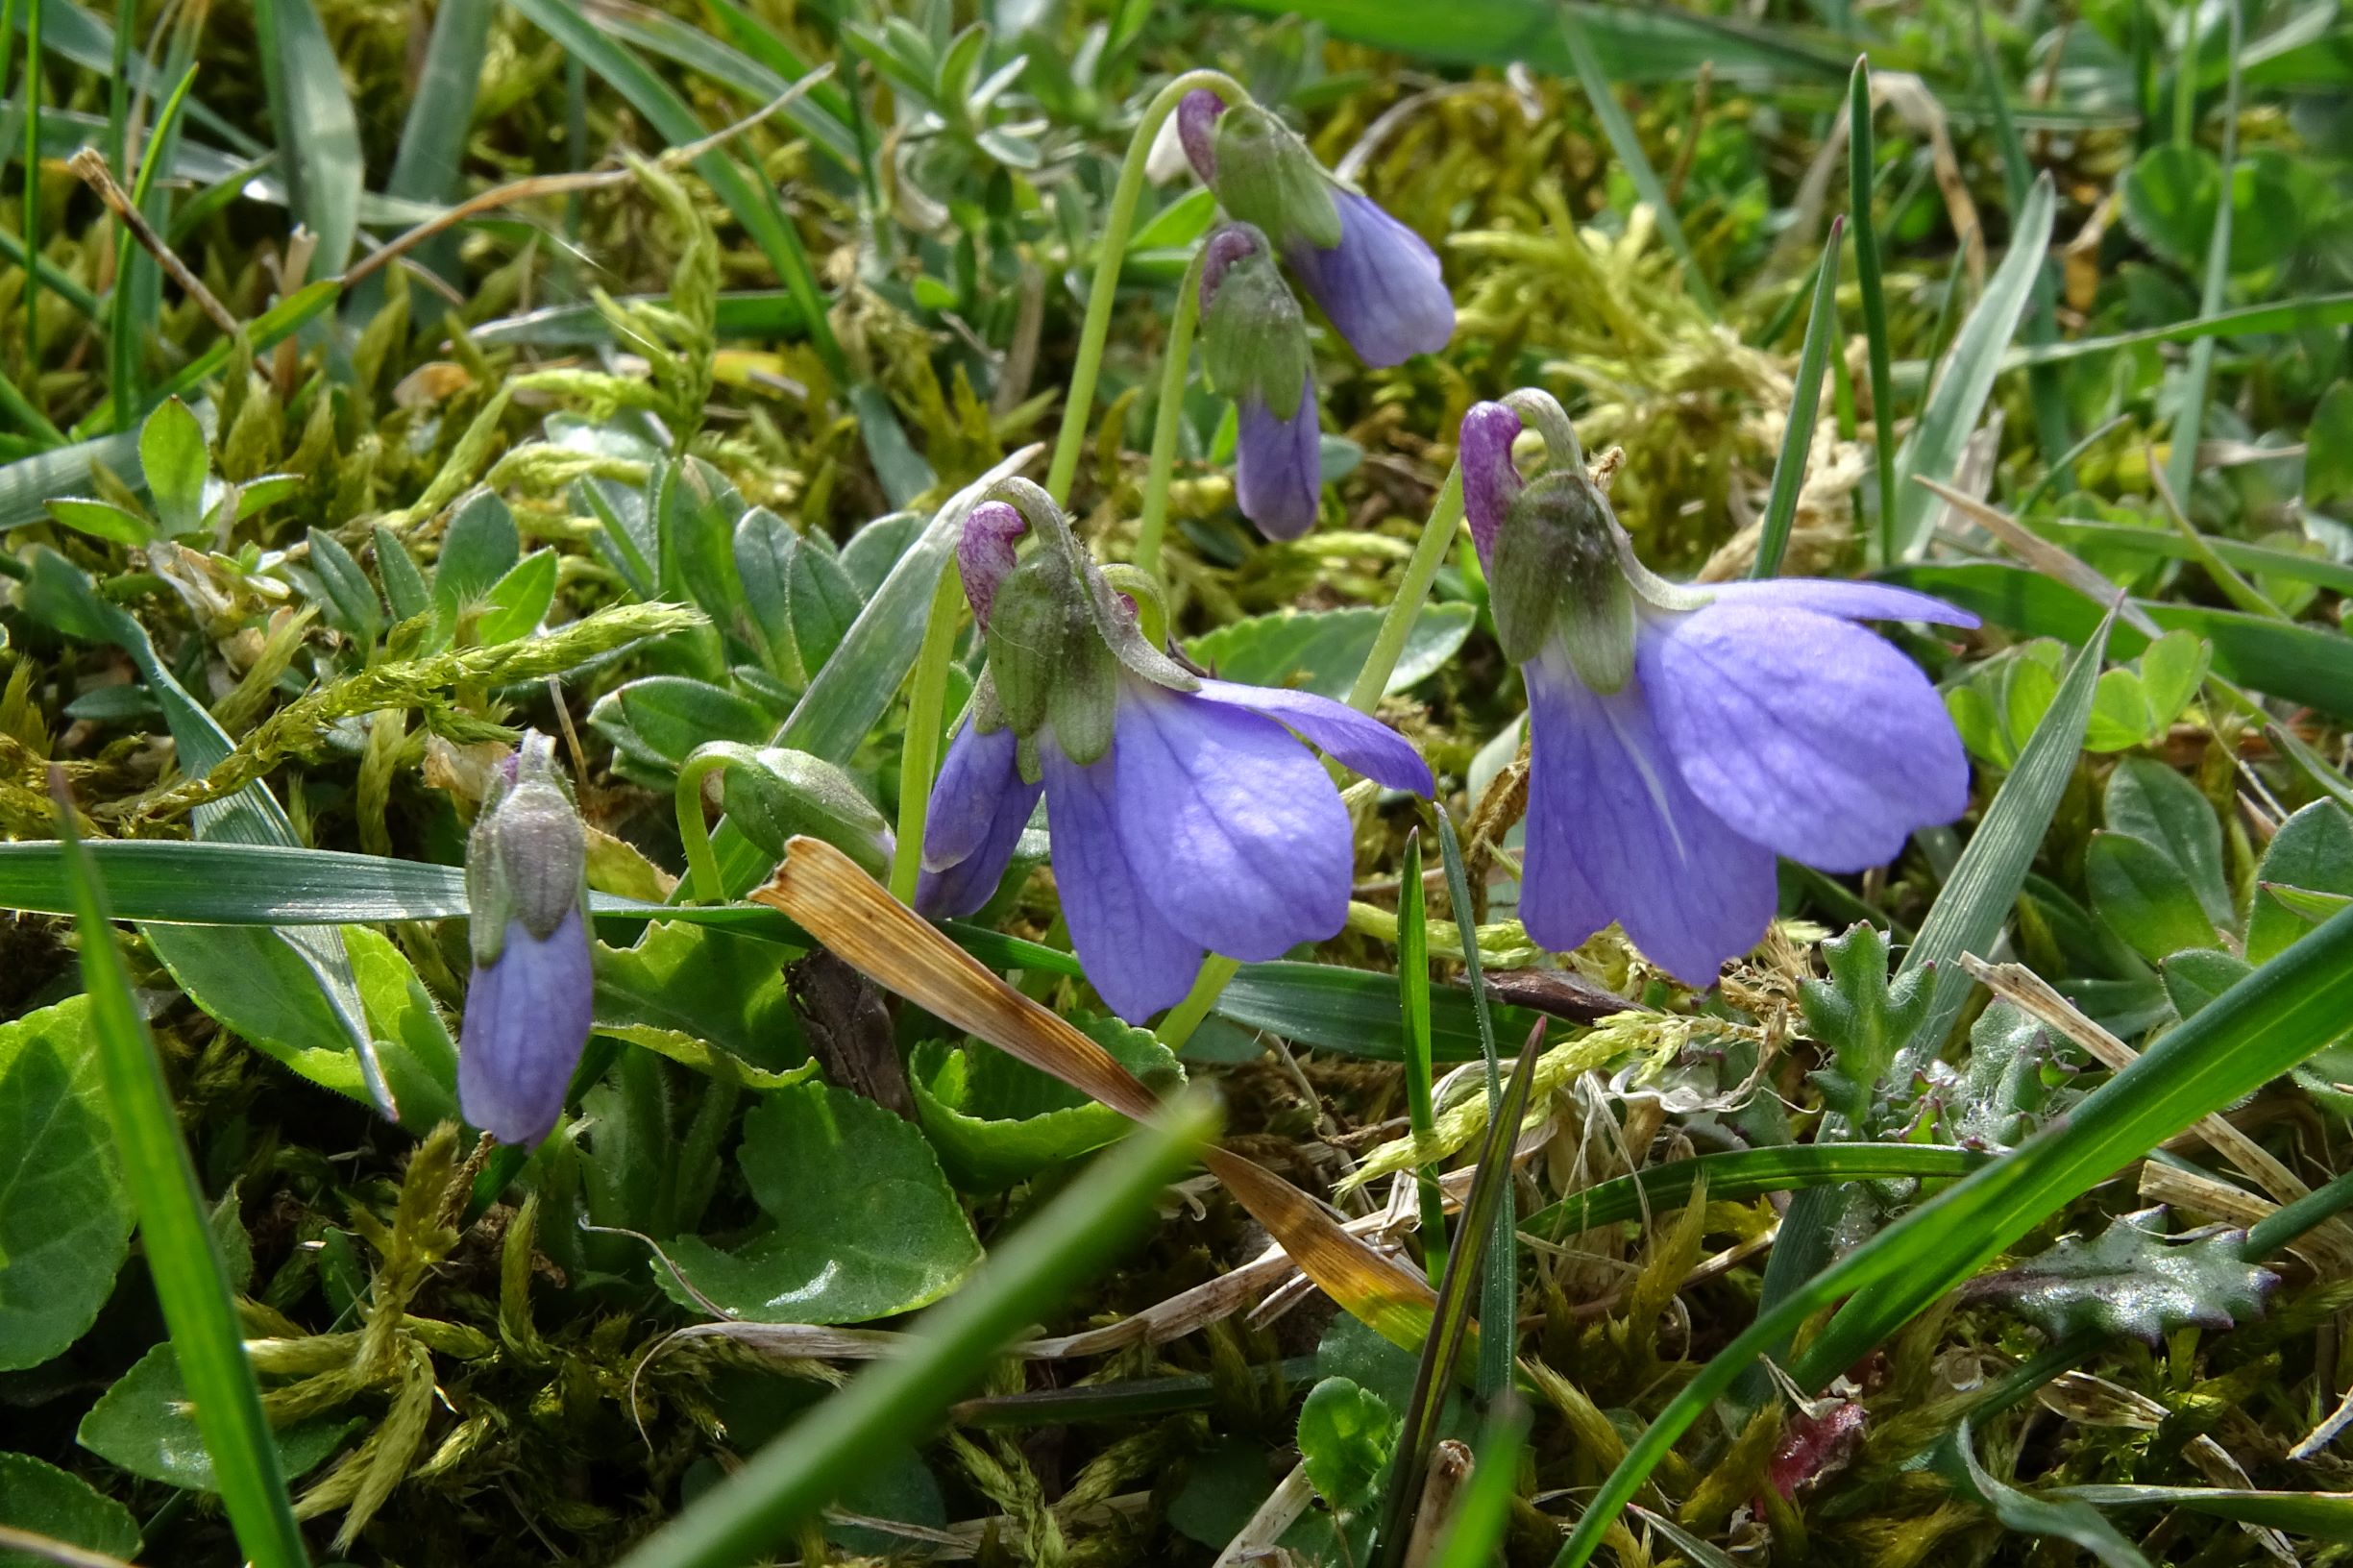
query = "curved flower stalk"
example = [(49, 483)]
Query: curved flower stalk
[(1373, 276), (1188, 814), (1254, 345), (527, 1008), (1682, 737)]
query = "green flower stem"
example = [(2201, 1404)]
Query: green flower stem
[(1186, 1017), (1170, 418), (1438, 537), (702, 875), (918, 758), (1112, 251)]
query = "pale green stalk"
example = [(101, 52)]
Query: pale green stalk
[(1389, 647), (1111, 253), (1438, 538), (1170, 418), (918, 757), (702, 875)]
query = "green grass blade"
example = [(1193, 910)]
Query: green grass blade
[(1414, 994), (2181, 462), (1500, 1298), (1624, 142), (266, 331), (786, 1483), (759, 67), (318, 133), (2041, 324), (2257, 1030), (29, 224), (753, 203), (433, 135), (177, 1234), (1862, 168), (1968, 917), (2318, 313), (1805, 401), (1746, 1173), (1958, 399), (1451, 1323), (1975, 900)]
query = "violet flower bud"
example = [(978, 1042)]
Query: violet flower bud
[(1255, 351), (1380, 284), (529, 1006)]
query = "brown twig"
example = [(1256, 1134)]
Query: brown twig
[(91, 165)]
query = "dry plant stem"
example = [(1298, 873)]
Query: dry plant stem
[(1111, 252), (1170, 420), (91, 165)]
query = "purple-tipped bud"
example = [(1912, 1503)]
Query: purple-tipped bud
[(1380, 284), (1197, 116), (1254, 348), (1491, 480), (985, 554), (528, 1008)]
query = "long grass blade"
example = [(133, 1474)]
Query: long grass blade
[(1500, 1297), (1959, 397), (1805, 401), (1413, 993), (2181, 462), (783, 1487), (128, 312), (1433, 1379), (174, 1226), (318, 132), (2040, 324), (1746, 1173), (1627, 146), (1862, 173), (2254, 1032), (432, 146)]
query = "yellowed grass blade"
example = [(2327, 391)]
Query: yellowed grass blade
[(857, 919)]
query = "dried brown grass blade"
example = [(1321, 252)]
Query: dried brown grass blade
[(857, 919)]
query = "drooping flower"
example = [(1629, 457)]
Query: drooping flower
[(1682, 737), (527, 1008), (1254, 347), (1374, 277), (1187, 815)]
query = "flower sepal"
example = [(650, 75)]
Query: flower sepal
[(1254, 341), (526, 858), (1265, 175), (1555, 571)]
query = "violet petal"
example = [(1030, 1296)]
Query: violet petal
[(1491, 480), (1613, 833), (1354, 739), (1278, 466), (526, 1017), (1132, 955), (1845, 600), (1232, 824), (1381, 285), (979, 806), (985, 554), (1806, 733)]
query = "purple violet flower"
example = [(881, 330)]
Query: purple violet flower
[(529, 1007), (1376, 280), (1680, 738), (1188, 814), (1255, 351)]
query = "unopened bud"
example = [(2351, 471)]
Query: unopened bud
[(775, 793), (526, 858), (1265, 175)]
